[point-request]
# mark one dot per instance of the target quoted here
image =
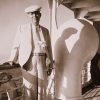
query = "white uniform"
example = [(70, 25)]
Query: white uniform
[(35, 78)]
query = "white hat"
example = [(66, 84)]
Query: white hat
[(32, 8)]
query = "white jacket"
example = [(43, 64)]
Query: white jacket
[(22, 47)]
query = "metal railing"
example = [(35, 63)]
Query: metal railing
[(11, 82), (11, 87)]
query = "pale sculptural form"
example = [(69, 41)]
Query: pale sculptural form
[(76, 43)]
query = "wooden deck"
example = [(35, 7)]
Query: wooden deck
[(92, 94), (15, 83)]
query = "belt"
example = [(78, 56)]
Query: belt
[(38, 54)]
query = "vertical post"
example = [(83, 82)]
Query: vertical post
[(53, 29), (53, 21)]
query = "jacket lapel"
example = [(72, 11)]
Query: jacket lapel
[(43, 35)]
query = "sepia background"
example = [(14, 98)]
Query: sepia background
[(12, 14)]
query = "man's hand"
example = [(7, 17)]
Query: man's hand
[(50, 68), (9, 63), (49, 71)]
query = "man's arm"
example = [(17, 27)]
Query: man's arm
[(15, 47), (49, 47)]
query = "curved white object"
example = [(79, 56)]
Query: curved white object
[(76, 43)]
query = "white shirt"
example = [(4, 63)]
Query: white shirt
[(38, 40)]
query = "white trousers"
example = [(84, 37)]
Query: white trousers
[(35, 79)]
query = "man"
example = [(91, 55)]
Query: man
[(32, 50)]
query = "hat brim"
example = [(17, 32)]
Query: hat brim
[(32, 9)]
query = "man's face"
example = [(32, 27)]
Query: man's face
[(35, 16)]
